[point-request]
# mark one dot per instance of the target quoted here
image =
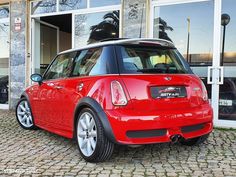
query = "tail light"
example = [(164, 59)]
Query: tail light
[(204, 92), (117, 94)]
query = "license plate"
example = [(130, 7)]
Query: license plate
[(168, 92), (225, 102)]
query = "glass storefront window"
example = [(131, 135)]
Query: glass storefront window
[(93, 27), (44, 6), (227, 96), (190, 28), (4, 60), (4, 12), (72, 4), (100, 3), (229, 8)]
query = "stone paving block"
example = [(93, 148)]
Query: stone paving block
[(40, 153)]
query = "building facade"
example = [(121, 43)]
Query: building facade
[(204, 31)]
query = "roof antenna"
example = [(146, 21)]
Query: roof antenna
[(140, 33)]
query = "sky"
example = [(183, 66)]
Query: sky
[(201, 16)]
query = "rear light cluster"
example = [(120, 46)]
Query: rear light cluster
[(117, 94), (204, 92)]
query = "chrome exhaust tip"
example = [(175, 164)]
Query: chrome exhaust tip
[(175, 138)]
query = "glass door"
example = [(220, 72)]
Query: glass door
[(227, 91), (190, 31), (4, 62), (45, 44), (204, 32)]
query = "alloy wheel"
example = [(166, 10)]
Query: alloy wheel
[(87, 134), (24, 114)]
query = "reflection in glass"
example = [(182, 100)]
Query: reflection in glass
[(4, 12), (188, 18), (90, 28), (44, 6), (4, 61), (72, 4), (227, 102), (48, 46), (229, 7), (100, 3), (161, 28)]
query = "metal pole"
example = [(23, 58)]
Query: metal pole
[(223, 46), (188, 19), (141, 25)]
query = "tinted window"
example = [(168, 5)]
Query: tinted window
[(61, 67), (89, 62), (139, 59)]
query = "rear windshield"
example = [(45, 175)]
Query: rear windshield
[(146, 59)]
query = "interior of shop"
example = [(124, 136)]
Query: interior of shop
[(52, 35)]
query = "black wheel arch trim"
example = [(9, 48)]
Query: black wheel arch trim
[(93, 104), (24, 94)]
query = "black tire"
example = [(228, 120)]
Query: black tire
[(194, 141), (32, 125), (104, 148)]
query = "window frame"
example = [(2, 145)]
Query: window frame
[(55, 58), (109, 57), (78, 53)]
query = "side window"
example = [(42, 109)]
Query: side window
[(89, 62), (61, 66)]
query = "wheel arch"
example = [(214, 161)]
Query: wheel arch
[(24, 95), (88, 102)]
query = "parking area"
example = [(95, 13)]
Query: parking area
[(40, 153)]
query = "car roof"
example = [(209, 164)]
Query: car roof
[(161, 42)]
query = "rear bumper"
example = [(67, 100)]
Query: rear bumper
[(133, 127)]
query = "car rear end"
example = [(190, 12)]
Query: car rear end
[(156, 97)]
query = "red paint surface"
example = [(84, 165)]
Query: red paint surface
[(53, 109)]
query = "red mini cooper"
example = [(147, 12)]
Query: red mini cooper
[(129, 91)]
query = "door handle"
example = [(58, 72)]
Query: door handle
[(220, 75), (209, 74), (80, 86), (58, 87), (221, 79)]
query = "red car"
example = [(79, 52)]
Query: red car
[(132, 91)]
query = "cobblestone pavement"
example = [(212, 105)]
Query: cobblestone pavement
[(40, 153)]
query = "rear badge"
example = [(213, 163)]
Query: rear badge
[(167, 78)]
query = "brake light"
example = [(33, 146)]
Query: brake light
[(117, 94), (204, 92)]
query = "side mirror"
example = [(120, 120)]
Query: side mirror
[(37, 78)]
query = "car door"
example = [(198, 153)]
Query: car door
[(51, 92), (88, 62)]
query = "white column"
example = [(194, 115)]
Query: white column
[(216, 58)]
